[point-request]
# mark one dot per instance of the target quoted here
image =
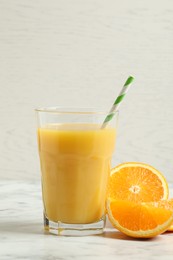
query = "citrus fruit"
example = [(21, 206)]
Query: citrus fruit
[(137, 182), (166, 204), (138, 219)]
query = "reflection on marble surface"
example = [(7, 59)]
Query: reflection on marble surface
[(22, 235)]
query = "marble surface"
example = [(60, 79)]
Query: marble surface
[(22, 235)]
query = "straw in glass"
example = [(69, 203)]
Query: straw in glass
[(118, 101)]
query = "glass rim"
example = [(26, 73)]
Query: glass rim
[(73, 110)]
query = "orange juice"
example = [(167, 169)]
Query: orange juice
[(75, 164)]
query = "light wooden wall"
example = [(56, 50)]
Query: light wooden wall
[(78, 53)]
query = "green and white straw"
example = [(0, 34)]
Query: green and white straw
[(118, 101)]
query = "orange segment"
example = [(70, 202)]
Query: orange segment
[(137, 182), (138, 219), (166, 204)]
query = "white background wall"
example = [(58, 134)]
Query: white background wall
[(79, 52)]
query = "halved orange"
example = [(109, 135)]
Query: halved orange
[(138, 219), (137, 182), (166, 204)]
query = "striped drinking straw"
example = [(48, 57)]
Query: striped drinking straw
[(118, 101)]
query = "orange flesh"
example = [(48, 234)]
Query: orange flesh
[(137, 217), (167, 204), (135, 184)]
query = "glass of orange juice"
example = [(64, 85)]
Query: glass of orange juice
[(75, 159)]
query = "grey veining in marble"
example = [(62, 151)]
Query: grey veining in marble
[(22, 235)]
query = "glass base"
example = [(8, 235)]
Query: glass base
[(63, 229)]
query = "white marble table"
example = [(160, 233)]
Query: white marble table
[(22, 235)]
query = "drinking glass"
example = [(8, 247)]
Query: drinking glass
[(75, 159)]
